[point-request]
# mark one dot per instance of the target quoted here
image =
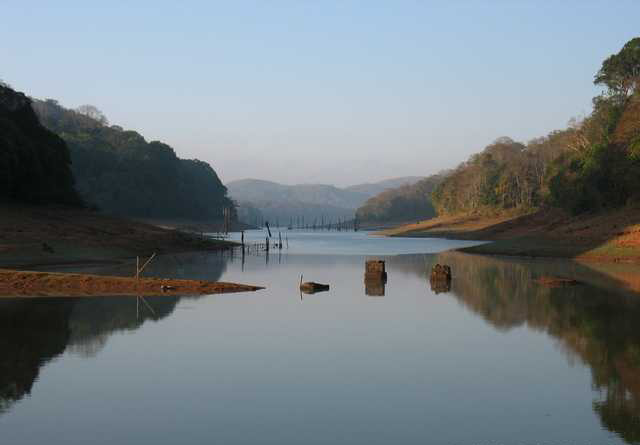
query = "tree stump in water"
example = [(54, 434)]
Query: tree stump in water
[(440, 278), (375, 269), (375, 278)]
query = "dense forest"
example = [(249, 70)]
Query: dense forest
[(35, 165), (592, 165), (405, 203), (121, 173)]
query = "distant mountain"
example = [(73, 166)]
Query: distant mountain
[(265, 200), (373, 188)]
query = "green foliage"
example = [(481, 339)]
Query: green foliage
[(34, 162), (592, 165), (620, 73), (405, 203), (121, 173)]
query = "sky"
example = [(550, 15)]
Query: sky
[(338, 92)]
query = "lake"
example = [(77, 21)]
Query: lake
[(495, 359)]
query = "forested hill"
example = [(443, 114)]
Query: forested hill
[(593, 165), (121, 173), (401, 204), (34, 162)]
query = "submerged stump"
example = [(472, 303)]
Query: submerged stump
[(440, 278), (375, 278)]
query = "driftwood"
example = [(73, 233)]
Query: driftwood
[(311, 287)]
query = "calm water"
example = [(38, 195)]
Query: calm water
[(497, 359)]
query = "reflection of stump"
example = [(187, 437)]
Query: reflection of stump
[(439, 287), (375, 278), (440, 278), (374, 287)]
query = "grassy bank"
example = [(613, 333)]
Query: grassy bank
[(607, 236), (32, 236)]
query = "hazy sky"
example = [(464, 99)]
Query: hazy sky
[(317, 91)]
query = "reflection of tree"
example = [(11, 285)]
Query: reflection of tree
[(30, 336), (33, 331), (595, 325)]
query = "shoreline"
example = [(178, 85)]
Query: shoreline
[(606, 237), (31, 284), (42, 236)]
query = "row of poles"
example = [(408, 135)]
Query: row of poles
[(299, 223)]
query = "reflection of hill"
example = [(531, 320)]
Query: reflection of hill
[(30, 336), (597, 325), (33, 331)]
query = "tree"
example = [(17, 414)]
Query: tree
[(93, 113), (620, 73)]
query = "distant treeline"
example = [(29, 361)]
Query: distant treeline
[(404, 203), (592, 165), (121, 173), (34, 162)]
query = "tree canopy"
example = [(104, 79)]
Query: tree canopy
[(121, 173), (34, 162), (620, 72)]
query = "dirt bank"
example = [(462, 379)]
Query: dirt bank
[(32, 236), (606, 236), (47, 284)]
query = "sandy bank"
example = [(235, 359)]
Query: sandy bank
[(47, 284), (607, 236)]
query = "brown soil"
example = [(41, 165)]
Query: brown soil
[(32, 236), (607, 236), (38, 284)]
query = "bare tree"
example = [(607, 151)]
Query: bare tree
[(94, 113)]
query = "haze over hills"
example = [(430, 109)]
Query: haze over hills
[(265, 200), (373, 188)]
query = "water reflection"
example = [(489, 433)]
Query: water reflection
[(34, 331), (595, 323), (404, 345)]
